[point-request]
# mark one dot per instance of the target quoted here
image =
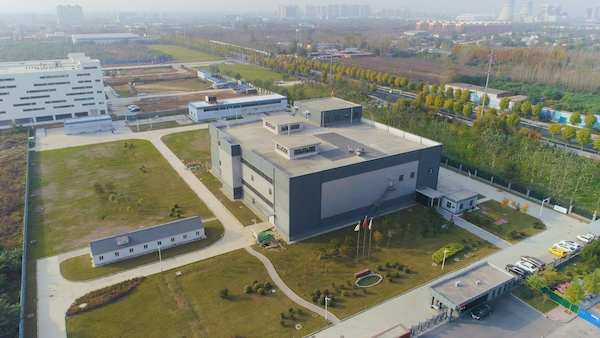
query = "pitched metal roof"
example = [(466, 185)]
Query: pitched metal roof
[(137, 237)]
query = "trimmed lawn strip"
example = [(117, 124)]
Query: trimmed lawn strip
[(66, 212), (182, 54), (154, 126), (309, 265), (193, 147), (517, 220), (80, 268), (189, 305), (251, 73), (535, 299)]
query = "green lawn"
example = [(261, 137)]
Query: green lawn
[(165, 305), (251, 73), (535, 299), (123, 90), (309, 265), (517, 220), (66, 212), (80, 268), (193, 146), (182, 54), (154, 126)]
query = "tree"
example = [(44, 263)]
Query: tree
[(378, 237), (449, 93), (457, 106), (550, 276), (597, 144), (223, 293), (526, 108), (421, 98), (485, 100), (430, 99), (439, 101), (590, 120), (590, 255), (591, 282), (9, 321), (458, 94), (575, 119), (434, 89), (584, 136), (537, 111), (504, 103), (536, 282), (513, 120), (554, 129), (468, 109), (98, 188), (517, 107), (574, 293), (466, 95), (323, 74), (449, 104), (390, 234), (568, 133)]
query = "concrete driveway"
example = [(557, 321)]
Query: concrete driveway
[(510, 317)]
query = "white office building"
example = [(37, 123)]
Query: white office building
[(42, 92), (236, 107)]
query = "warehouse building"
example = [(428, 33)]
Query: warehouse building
[(213, 109), (307, 178), (474, 286), (144, 241), (104, 39), (41, 92)]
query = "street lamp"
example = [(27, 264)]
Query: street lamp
[(444, 260), (160, 259), (542, 207), (326, 300)]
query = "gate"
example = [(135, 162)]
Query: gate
[(560, 301)]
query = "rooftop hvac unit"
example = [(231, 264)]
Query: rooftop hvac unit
[(478, 282), (457, 283)]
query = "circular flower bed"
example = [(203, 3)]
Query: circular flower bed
[(369, 280)]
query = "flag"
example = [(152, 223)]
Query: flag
[(332, 93), (365, 222), (370, 223), (357, 227)]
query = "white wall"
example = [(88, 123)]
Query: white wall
[(138, 250)]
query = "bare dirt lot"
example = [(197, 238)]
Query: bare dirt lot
[(178, 101), (409, 68), (148, 71)]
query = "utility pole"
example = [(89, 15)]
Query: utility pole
[(160, 259), (444, 260), (487, 80)]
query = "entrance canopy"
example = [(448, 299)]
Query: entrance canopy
[(429, 192)]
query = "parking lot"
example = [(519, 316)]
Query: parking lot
[(509, 318)]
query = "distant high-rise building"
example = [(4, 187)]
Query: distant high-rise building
[(596, 15), (508, 11), (310, 11), (288, 11), (69, 15), (527, 8)]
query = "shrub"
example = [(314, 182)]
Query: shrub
[(290, 310), (248, 289), (396, 274), (387, 264), (282, 323), (518, 207), (396, 264), (317, 292), (260, 291), (452, 248), (299, 311), (406, 269), (98, 188), (379, 267), (539, 225), (256, 286), (315, 298), (325, 291), (104, 296), (400, 267), (254, 282), (353, 293), (266, 285), (505, 201), (512, 234), (176, 206), (223, 293), (525, 208), (388, 274), (494, 217), (345, 293), (390, 279), (282, 315)]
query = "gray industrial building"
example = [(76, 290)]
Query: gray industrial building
[(308, 176)]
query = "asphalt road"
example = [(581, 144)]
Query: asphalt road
[(509, 318)]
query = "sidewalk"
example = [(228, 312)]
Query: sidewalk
[(475, 230)]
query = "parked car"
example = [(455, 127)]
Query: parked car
[(481, 311), (587, 238), (517, 271), (133, 110), (535, 261), (142, 94), (570, 244), (557, 251), (568, 249), (527, 266), (113, 108)]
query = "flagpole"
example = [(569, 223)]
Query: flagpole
[(358, 242), (370, 238), (365, 238)]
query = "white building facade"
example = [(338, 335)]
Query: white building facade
[(42, 92), (236, 107), (140, 242), (104, 39)]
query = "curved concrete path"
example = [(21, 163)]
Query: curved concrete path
[(287, 291)]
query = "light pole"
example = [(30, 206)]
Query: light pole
[(326, 300), (444, 260), (160, 259), (542, 207)]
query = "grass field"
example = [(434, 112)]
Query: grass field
[(309, 265), (182, 54), (251, 73), (534, 299), (67, 212), (80, 268), (165, 305), (518, 221), (123, 90), (193, 146)]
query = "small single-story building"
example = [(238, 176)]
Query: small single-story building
[(140, 242), (329, 111), (235, 107), (88, 124), (472, 287), (458, 201)]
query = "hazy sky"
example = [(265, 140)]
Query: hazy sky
[(573, 7)]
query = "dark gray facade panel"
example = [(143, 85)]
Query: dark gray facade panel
[(429, 158), (305, 204), (235, 150), (237, 192), (329, 117)]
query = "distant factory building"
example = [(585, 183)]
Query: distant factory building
[(104, 39), (213, 109)]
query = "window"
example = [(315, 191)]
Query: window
[(282, 148), (305, 150), (355, 115), (284, 128), (401, 178), (470, 202), (84, 74), (24, 104), (145, 246), (251, 177), (131, 250), (412, 175), (184, 236), (159, 243), (101, 258), (448, 205), (117, 254), (326, 119), (430, 171), (197, 233), (294, 126), (172, 239), (253, 200), (347, 116), (337, 118), (460, 206), (270, 191)]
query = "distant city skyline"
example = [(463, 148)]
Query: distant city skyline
[(271, 6)]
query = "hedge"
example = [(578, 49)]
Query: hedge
[(104, 296), (453, 248)]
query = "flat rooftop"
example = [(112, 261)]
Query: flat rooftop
[(43, 66), (106, 36), (475, 88), (237, 100), (334, 143), (487, 274), (281, 119), (328, 103)]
